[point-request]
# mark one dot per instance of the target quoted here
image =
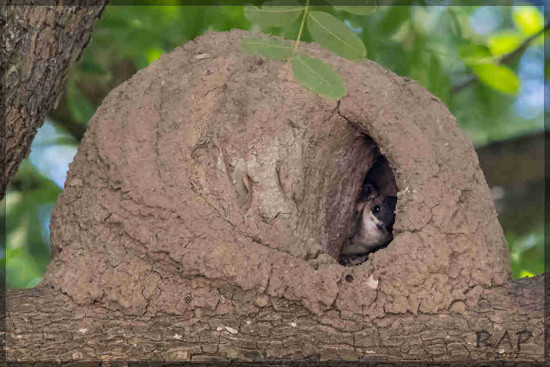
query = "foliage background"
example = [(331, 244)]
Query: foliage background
[(439, 46)]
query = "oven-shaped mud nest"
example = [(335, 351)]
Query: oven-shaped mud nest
[(215, 174)]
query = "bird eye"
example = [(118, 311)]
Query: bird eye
[(376, 209)]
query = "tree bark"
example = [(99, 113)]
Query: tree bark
[(45, 325), (39, 43)]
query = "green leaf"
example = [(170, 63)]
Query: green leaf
[(528, 19), (91, 67), (29, 201), (272, 15), (526, 274), (80, 107), (271, 48), (503, 43), (393, 19), (498, 77), (358, 7), (333, 34), (22, 270), (153, 53), (318, 77), (358, 10), (438, 81), (474, 54)]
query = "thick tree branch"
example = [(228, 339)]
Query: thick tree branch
[(40, 43), (44, 324)]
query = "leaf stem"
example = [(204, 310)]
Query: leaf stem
[(301, 28)]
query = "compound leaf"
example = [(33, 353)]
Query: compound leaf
[(318, 77), (272, 15), (333, 34), (270, 48), (358, 7), (357, 10)]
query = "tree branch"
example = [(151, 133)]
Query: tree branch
[(44, 324), (31, 88), (504, 59)]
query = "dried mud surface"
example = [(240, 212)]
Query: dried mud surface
[(212, 182)]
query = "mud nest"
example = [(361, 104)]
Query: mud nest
[(212, 172)]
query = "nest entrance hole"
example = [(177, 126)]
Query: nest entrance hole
[(365, 204)]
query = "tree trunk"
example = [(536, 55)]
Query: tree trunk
[(40, 43), (208, 201)]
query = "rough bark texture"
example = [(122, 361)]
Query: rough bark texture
[(45, 325), (39, 44), (210, 195)]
